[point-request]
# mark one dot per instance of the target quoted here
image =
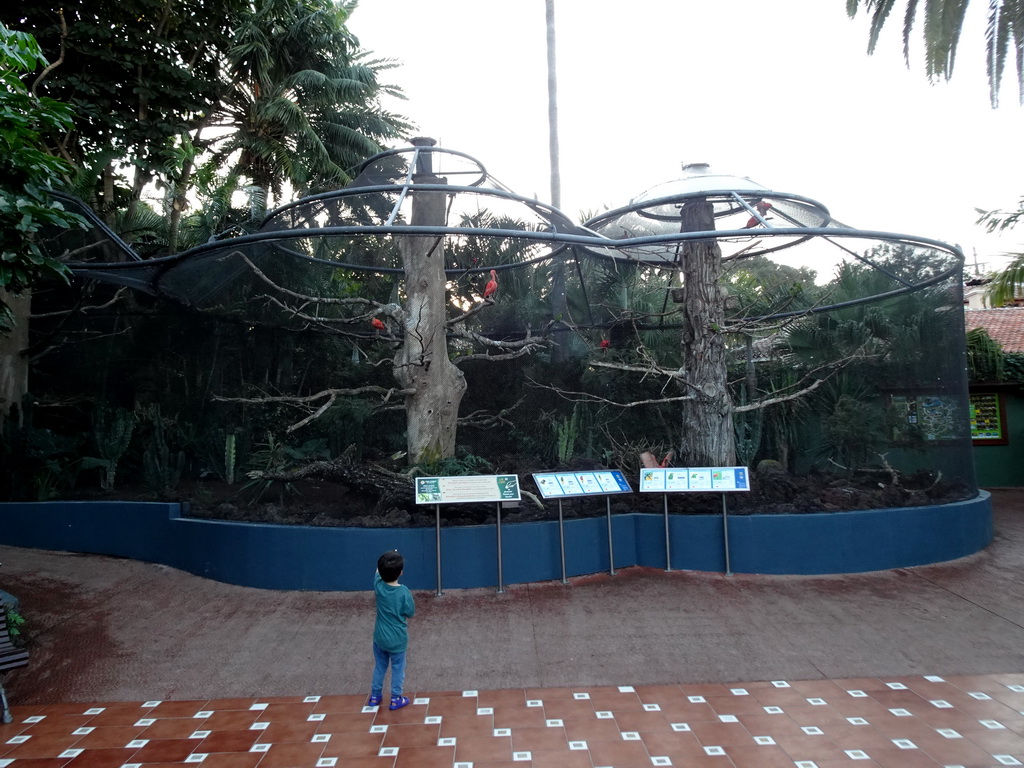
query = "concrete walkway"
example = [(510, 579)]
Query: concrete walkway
[(105, 629)]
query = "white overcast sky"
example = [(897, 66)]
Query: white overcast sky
[(781, 92)]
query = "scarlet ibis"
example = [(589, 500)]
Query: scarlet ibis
[(762, 206), (376, 323), (605, 344), (491, 286)]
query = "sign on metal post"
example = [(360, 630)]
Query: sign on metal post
[(693, 480), (467, 489), (560, 485)]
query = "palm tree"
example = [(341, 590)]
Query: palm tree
[(943, 22), (302, 103)]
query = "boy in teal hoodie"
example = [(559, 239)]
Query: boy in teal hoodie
[(395, 606)]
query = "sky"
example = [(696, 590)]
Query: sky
[(783, 93)]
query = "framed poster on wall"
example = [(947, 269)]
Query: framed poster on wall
[(988, 419)]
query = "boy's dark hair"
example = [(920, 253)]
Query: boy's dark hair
[(390, 565)]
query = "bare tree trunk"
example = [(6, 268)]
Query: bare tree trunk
[(422, 362), (708, 436), (13, 364), (558, 302)]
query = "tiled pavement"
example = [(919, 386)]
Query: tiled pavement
[(971, 721), (940, 648)]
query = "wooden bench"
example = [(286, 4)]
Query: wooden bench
[(10, 658)]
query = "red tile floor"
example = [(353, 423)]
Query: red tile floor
[(971, 721)]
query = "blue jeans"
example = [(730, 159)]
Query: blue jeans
[(382, 658)]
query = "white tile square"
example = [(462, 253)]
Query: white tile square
[(979, 696), (145, 721), (388, 752), (941, 704), (200, 734), (627, 689), (904, 743), (259, 707), (630, 736), (812, 730), (94, 711), (259, 726), (204, 713), (136, 743), (948, 733), (728, 718), (1016, 688), (367, 709), (581, 696), (696, 699), (153, 703), (468, 694), (485, 710), (259, 747), (652, 707), (780, 684), (378, 729), (774, 710), (992, 725), (900, 712), (522, 757), (432, 720), (577, 745), (419, 702), (502, 731), (132, 765), (857, 754), (34, 719), (806, 764), (316, 717), (714, 750), (857, 694), (534, 703), (1007, 759), (4, 762), (660, 760), (738, 691), (934, 679), (311, 699), (320, 738), (82, 731), (857, 721), (462, 765), (897, 686), (71, 753), (326, 762), (763, 741), (680, 726), (817, 702), (196, 757), (604, 715), (553, 723), (447, 741)]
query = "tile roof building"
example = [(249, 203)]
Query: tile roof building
[(1004, 325)]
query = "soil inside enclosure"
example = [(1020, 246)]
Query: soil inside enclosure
[(324, 502)]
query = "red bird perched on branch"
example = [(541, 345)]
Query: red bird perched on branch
[(491, 286), (762, 206), (605, 344), (377, 324)]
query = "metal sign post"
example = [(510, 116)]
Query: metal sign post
[(602, 482), (467, 489), (666, 480)]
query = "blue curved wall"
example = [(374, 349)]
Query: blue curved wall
[(317, 558)]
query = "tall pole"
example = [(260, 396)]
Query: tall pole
[(558, 303)]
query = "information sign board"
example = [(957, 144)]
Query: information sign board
[(694, 479), (467, 489), (554, 485)]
